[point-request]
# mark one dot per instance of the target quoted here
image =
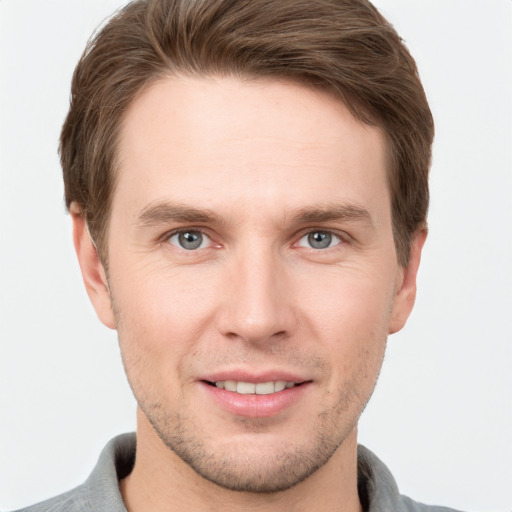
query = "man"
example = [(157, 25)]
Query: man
[(248, 187)]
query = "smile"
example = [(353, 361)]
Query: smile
[(256, 397), (251, 388)]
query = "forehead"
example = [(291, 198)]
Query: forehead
[(220, 141)]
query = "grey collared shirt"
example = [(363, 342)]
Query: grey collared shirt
[(100, 492)]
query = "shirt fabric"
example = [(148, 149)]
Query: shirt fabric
[(378, 491)]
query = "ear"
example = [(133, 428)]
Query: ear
[(406, 287), (93, 273)]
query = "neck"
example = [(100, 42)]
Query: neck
[(161, 481)]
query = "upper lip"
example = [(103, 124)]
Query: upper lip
[(254, 377)]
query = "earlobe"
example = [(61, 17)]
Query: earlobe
[(406, 289), (93, 272)]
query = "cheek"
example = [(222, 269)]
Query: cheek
[(159, 310), (350, 317), (157, 329), (348, 304)]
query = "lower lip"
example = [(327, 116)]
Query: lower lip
[(256, 406)]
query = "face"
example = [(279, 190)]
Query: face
[(253, 277)]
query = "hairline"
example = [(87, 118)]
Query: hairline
[(101, 238)]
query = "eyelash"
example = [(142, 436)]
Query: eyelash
[(179, 232), (331, 236)]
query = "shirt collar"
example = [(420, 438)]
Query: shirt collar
[(377, 488)]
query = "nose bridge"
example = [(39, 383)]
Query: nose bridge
[(257, 305)]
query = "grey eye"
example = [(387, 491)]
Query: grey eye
[(189, 240), (319, 240)]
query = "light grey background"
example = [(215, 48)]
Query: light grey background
[(441, 417)]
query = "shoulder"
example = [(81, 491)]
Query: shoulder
[(100, 492), (71, 501), (378, 490), (413, 506)]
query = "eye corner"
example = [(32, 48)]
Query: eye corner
[(320, 239), (188, 239)]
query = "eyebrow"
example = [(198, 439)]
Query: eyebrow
[(161, 213), (165, 212), (333, 212)]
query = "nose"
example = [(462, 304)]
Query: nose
[(258, 299)]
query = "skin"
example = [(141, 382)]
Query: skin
[(254, 168)]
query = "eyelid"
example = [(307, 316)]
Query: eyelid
[(165, 238), (341, 235)]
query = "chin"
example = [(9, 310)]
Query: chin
[(255, 462)]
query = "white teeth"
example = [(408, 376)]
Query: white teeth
[(245, 388), (281, 384), (249, 388), (230, 385), (265, 388)]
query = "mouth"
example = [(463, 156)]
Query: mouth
[(252, 388), (256, 396)]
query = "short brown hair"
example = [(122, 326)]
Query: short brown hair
[(343, 46)]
